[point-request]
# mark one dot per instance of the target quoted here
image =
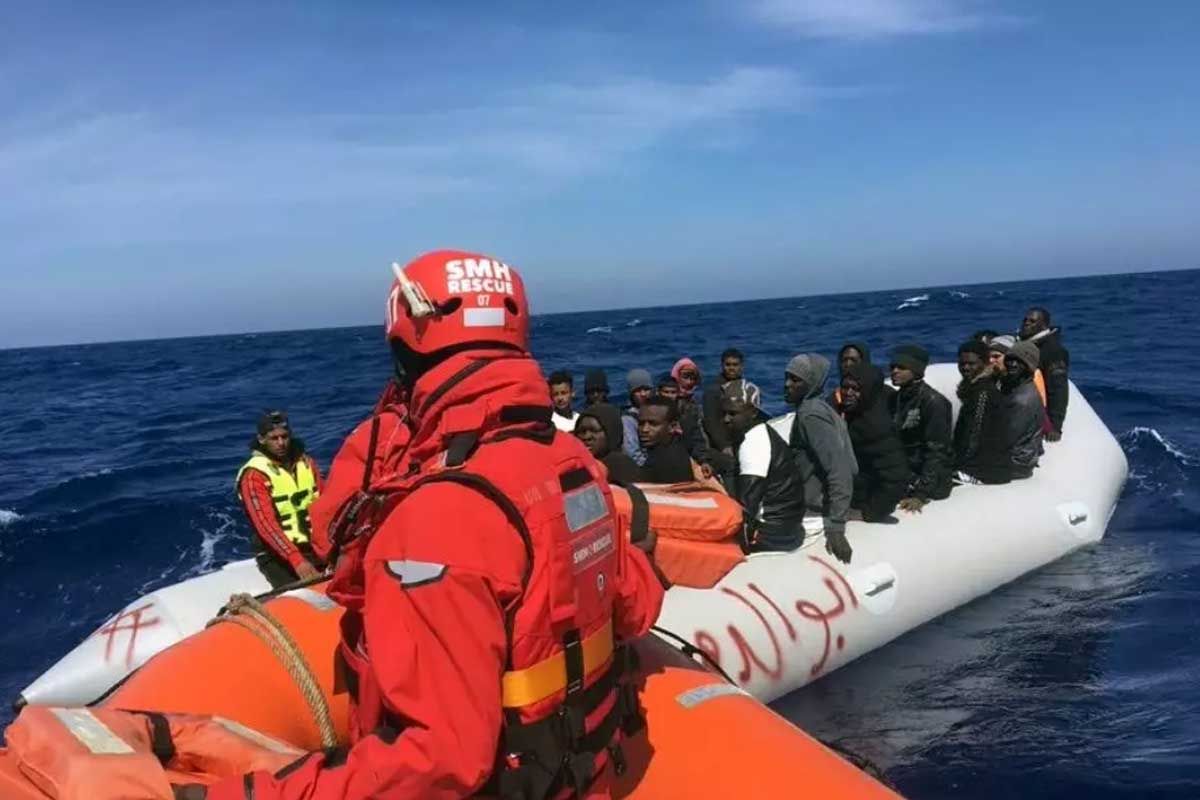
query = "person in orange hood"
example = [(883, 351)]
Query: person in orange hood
[(495, 552)]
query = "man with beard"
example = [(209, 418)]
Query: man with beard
[(1054, 362), (1022, 409)]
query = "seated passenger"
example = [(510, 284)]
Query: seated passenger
[(640, 388), (667, 459), (599, 428), (851, 353), (980, 450), (689, 417), (1053, 363), (595, 387), (276, 485), (922, 417), (1023, 409), (818, 437), (733, 384), (769, 485), (883, 472), (562, 394)]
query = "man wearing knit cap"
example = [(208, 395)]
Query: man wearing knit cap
[(1023, 408), (595, 387), (922, 416), (824, 455), (641, 387)]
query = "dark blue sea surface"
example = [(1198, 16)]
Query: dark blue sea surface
[(117, 465)]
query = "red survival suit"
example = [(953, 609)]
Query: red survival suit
[(361, 462), (482, 613)]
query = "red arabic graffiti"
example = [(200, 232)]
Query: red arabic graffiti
[(131, 621), (773, 667)]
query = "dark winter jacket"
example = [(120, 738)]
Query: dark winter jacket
[(1055, 363), (877, 445), (1023, 426), (922, 417), (668, 463), (622, 470), (980, 438)]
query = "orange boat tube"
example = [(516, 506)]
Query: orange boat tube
[(703, 737)]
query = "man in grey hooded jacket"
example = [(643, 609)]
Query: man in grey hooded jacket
[(823, 451)]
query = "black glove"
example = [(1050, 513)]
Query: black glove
[(836, 544)]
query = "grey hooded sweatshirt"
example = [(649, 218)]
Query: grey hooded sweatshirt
[(819, 438)]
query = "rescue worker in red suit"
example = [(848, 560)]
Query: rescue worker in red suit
[(487, 604)]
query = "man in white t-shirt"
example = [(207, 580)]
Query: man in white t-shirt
[(562, 393)]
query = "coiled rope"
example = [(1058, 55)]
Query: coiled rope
[(247, 612)]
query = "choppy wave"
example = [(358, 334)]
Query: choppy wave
[(633, 323), (1137, 436), (913, 302), (958, 294), (8, 517), (601, 329)]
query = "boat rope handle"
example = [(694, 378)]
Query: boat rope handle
[(247, 612)]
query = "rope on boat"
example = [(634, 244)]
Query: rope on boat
[(247, 612)]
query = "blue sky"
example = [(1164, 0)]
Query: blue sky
[(175, 169)]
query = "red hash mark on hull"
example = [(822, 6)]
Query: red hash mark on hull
[(133, 620)]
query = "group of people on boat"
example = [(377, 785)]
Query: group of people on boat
[(469, 530)]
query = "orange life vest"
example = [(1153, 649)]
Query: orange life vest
[(106, 754)]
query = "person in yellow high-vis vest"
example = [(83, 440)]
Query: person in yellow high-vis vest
[(276, 485)]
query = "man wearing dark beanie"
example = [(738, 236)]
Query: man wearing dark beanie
[(923, 418)]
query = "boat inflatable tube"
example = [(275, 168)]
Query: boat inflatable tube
[(226, 671)]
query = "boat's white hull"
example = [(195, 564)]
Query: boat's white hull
[(778, 620)]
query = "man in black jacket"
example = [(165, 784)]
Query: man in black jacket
[(1054, 362), (730, 383), (981, 450), (769, 484), (883, 473), (922, 417)]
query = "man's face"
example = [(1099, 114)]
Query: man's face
[(731, 368), (794, 389), (851, 393), (970, 365), (1014, 367), (591, 433), (561, 395), (1033, 324), (738, 416), (996, 359), (640, 395), (669, 391), (275, 442), (597, 394), (653, 426), (688, 378), (850, 357), (902, 376)]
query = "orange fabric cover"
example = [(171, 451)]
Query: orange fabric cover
[(696, 564), (685, 511), (119, 763)]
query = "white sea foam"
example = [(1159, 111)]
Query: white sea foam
[(958, 294), (8, 517), (600, 329), (1177, 452), (633, 323), (912, 302)]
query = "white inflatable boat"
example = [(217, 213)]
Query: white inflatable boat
[(778, 620)]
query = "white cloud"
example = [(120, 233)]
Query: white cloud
[(112, 178), (874, 19)]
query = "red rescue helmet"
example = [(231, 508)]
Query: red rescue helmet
[(451, 299)]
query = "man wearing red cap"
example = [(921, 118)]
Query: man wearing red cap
[(488, 598)]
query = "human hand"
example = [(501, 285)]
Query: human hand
[(1054, 435), (837, 546), (913, 504), (306, 571)]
